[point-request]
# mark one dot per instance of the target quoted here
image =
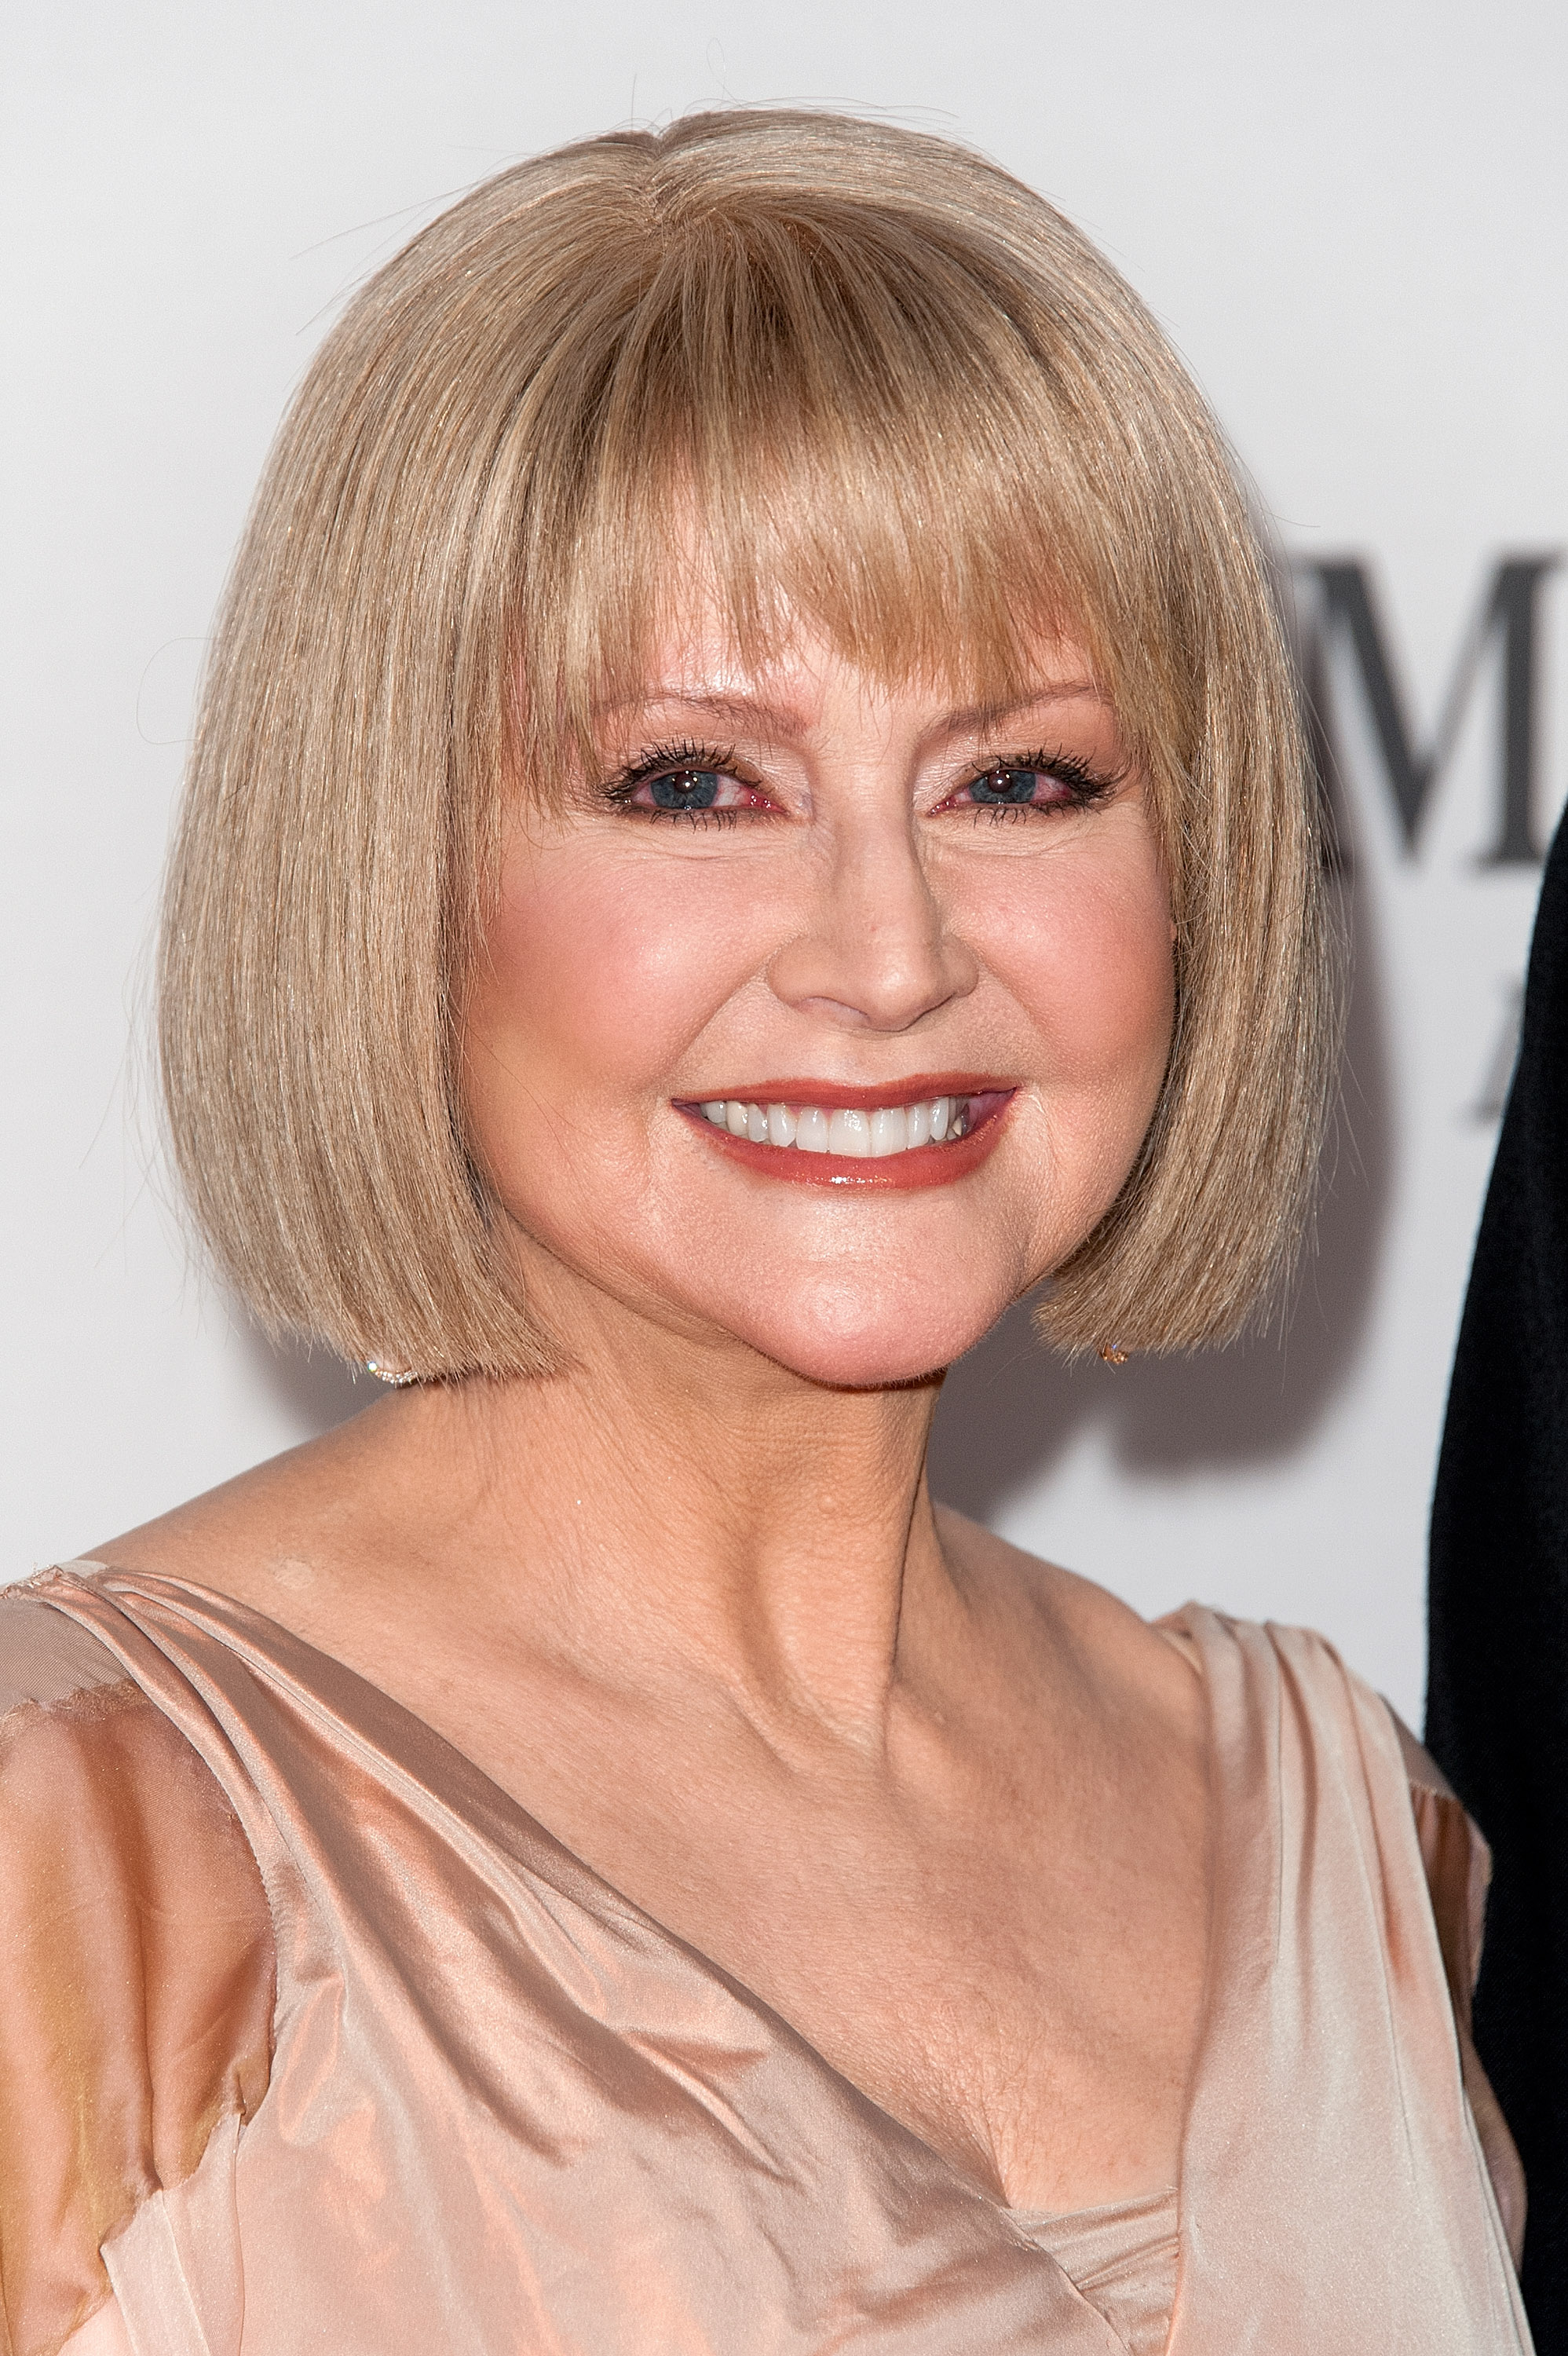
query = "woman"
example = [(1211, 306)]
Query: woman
[(748, 811)]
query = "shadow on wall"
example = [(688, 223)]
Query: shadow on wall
[(1011, 1409), (315, 1389)]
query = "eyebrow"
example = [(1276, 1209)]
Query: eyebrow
[(783, 723), (976, 716), (752, 709)]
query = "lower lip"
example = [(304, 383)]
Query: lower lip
[(919, 1165)]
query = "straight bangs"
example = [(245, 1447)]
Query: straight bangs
[(855, 447), (820, 413)]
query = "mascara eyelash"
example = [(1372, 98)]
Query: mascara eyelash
[(1089, 784), (1085, 787), (686, 755)]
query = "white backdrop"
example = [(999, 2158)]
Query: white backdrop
[(1351, 214)]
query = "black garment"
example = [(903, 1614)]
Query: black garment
[(1497, 1697)]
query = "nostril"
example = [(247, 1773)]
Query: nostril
[(864, 984), (832, 1010)]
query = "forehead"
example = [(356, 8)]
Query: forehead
[(696, 665), (762, 599)]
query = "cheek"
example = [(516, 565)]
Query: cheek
[(1109, 979), (593, 982), (1088, 957)]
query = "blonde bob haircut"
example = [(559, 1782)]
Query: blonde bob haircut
[(901, 396)]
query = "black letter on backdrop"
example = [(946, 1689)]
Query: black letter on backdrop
[(1509, 610)]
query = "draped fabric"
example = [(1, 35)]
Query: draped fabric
[(391, 2069), (1497, 1694)]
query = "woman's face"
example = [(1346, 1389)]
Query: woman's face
[(824, 1017)]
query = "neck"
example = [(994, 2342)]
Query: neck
[(684, 1509)]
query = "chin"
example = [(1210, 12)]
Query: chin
[(836, 1335)]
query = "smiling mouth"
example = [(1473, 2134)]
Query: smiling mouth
[(855, 1136)]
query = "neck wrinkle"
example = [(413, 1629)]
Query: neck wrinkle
[(686, 1510)]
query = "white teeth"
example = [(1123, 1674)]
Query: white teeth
[(890, 1131), (844, 1128), (849, 1132)]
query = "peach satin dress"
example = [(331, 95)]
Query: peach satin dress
[(311, 2039)]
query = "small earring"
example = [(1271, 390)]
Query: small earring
[(385, 1372), (1112, 1353)]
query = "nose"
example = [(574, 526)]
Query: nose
[(878, 953)]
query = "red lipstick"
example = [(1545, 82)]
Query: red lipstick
[(985, 1100)]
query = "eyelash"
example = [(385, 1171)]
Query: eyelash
[(664, 758), (1084, 785)]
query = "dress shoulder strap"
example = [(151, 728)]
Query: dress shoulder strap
[(1459, 1864), (44, 1657), (140, 1965)]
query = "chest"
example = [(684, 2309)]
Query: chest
[(498, 2089), (1017, 1981)]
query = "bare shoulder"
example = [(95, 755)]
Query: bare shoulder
[(1115, 1648), (346, 1542), (304, 1510)]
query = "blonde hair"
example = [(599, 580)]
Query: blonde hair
[(910, 401)]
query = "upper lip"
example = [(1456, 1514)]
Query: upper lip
[(845, 1096)]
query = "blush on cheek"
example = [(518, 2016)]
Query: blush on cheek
[(1086, 953), (601, 968), (1113, 1002), (580, 1001), (595, 977), (1093, 964)]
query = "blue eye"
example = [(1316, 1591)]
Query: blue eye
[(685, 789), (1004, 785)]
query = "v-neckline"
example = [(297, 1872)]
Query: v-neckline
[(265, 1643)]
